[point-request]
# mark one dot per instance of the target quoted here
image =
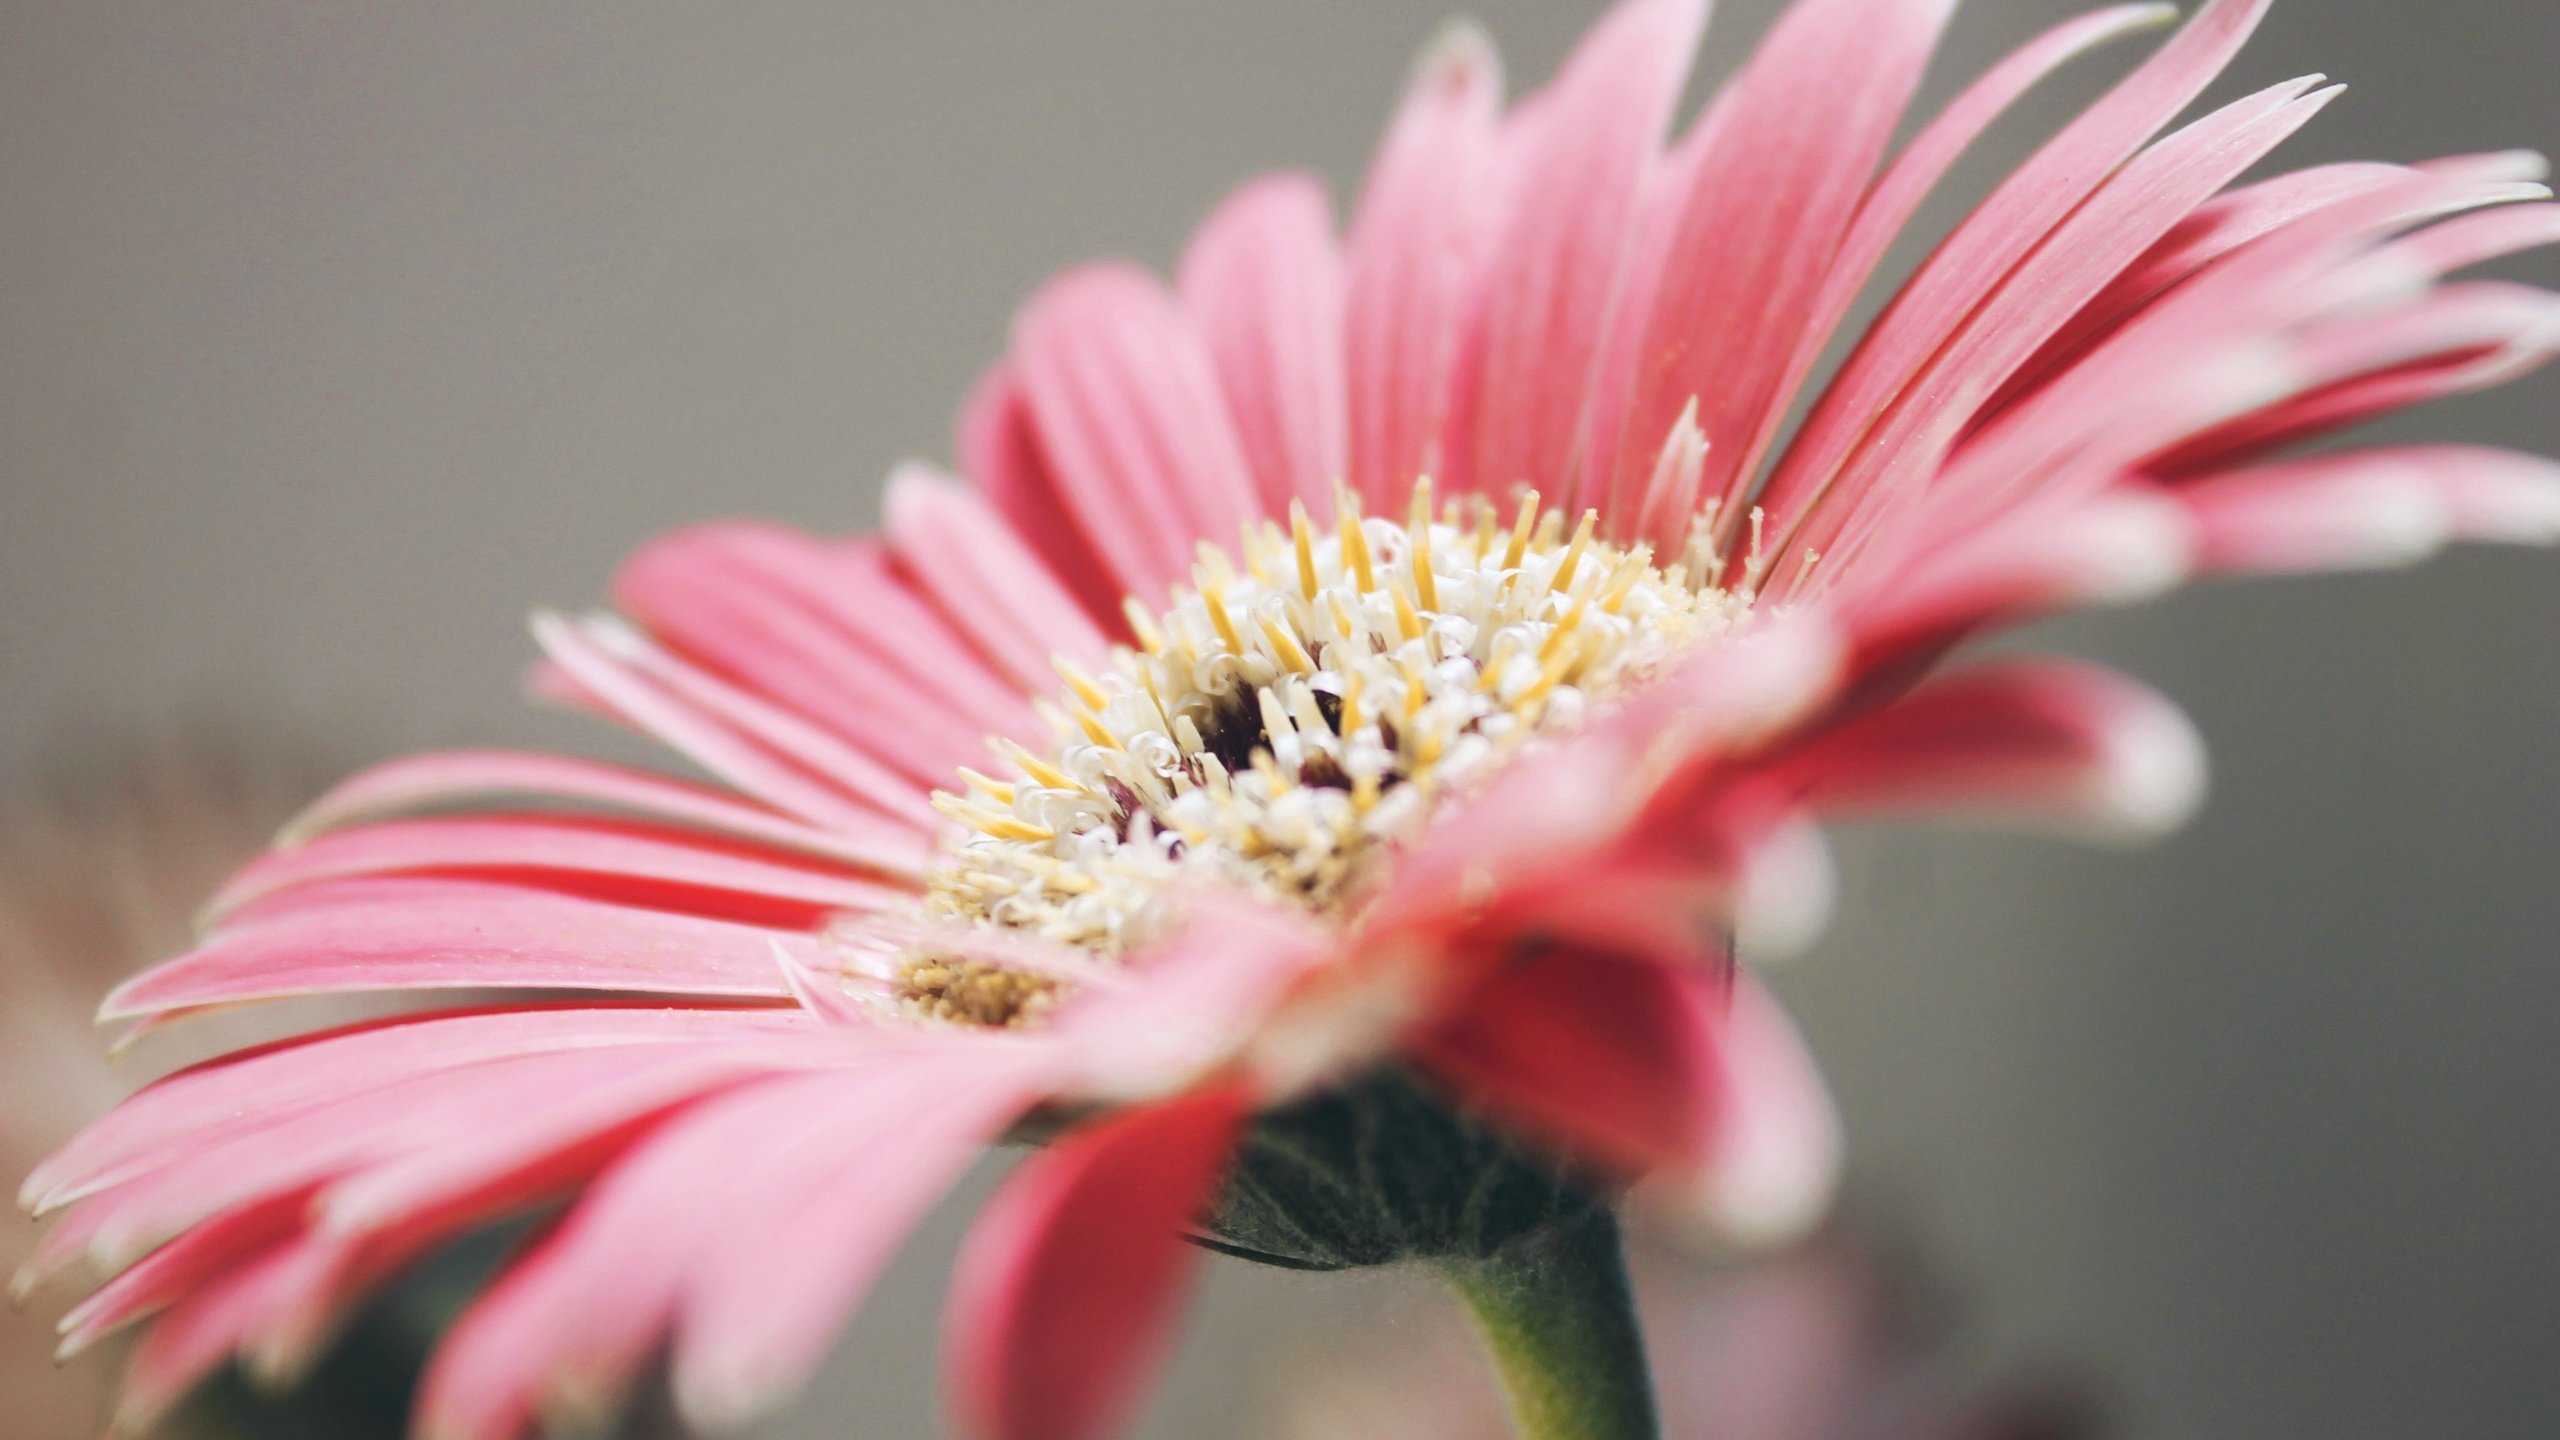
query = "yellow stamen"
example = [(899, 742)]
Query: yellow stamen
[(1033, 766), (1094, 731), (1304, 534), (1573, 553), (1564, 631), (1286, 646), (1086, 688), (1225, 623), (1426, 585), (1622, 583), (1142, 626), (1520, 530), (980, 818), (1406, 621), (1355, 546)]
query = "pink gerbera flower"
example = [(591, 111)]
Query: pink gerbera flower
[(1411, 662)]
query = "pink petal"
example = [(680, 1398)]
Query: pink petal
[(772, 1288), (2056, 742), (1065, 1292), (2125, 218), (1197, 993), (1803, 129), (981, 573), (1262, 280), (2006, 228), (829, 634), (562, 1140), (657, 867), (1773, 1156), (260, 1158), (186, 1109), (2371, 507), (453, 777), (1412, 256), (1611, 1059), (1914, 174), (2217, 228), (780, 760), (406, 933), (560, 1333), (196, 1337), (1000, 451), (2112, 548), (185, 1265), (1130, 419), (1573, 801), (1556, 249)]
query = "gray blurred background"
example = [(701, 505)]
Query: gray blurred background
[(334, 337)]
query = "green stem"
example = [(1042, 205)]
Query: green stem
[(1557, 1313)]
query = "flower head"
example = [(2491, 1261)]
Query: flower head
[(1348, 721)]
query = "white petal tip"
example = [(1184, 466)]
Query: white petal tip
[(2155, 778), (2142, 551), (1785, 896), (724, 1405), (1460, 51)]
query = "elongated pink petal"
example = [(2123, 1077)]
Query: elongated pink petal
[(634, 860), (783, 762), (1262, 280), (1572, 802), (175, 1114), (486, 777), (2047, 741), (1660, 206), (1130, 420), (859, 583), (559, 1335), (2384, 506), (828, 633), (2217, 228), (1772, 1159), (2269, 344), (1609, 1058), (999, 450), (183, 1266), (1199, 992), (566, 1138), (1896, 198), (1556, 250), (1064, 1295), (196, 1337), (982, 575), (259, 1159), (773, 1287), (2017, 218), (1412, 258), (2114, 548), (405, 933), (2125, 218), (1807, 123)]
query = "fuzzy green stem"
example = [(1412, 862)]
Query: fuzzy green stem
[(1559, 1317)]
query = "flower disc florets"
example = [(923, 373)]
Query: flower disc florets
[(1289, 719)]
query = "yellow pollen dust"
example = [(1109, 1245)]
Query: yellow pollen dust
[(1284, 723)]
